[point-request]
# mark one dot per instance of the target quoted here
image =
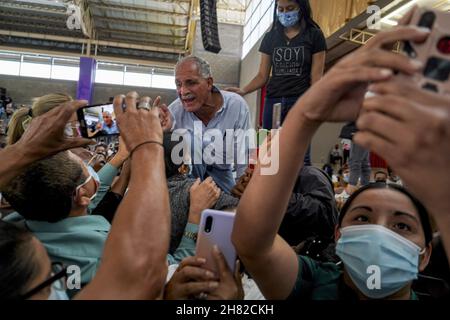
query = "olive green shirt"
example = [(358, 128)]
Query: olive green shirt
[(322, 281)]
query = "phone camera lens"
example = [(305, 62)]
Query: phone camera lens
[(427, 19), (208, 224)]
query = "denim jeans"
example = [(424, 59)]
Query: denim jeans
[(359, 164), (222, 176), (286, 105)]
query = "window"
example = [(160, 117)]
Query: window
[(138, 76), (163, 81), (65, 69), (109, 73), (258, 18), (36, 66), (10, 63)]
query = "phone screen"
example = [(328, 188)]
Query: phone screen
[(98, 120)]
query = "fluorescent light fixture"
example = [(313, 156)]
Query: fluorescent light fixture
[(391, 19), (399, 11)]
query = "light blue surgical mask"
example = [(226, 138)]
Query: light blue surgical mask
[(346, 178), (57, 294), (288, 19), (92, 175), (379, 261)]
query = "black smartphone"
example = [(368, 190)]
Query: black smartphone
[(97, 121)]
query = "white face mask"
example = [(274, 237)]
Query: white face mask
[(92, 175), (57, 294)]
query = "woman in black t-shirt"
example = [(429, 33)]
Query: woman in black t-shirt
[(292, 54)]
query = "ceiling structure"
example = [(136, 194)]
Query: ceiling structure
[(353, 30), (142, 30), (158, 32)]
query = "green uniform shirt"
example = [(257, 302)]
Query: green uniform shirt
[(322, 281)]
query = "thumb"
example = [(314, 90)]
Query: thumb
[(237, 274), (77, 143), (196, 183)]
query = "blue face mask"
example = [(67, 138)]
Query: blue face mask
[(379, 261), (57, 294), (92, 175), (288, 19)]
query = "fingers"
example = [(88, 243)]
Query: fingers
[(237, 272), (189, 273), (401, 33), (72, 106), (77, 143), (195, 184), (131, 100), (361, 74), (157, 102), (406, 19), (402, 88), (394, 106), (376, 144), (192, 261), (118, 103), (381, 125), (196, 288), (221, 263), (395, 61), (66, 110)]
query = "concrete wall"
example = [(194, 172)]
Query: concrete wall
[(249, 68), (23, 89), (225, 64)]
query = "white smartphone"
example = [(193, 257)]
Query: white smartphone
[(215, 229)]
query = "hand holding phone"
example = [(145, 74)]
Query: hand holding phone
[(98, 120), (215, 229), (434, 53)]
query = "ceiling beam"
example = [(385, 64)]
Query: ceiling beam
[(135, 10), (128, 32), (92, 42), (144, 63), (146, 23)]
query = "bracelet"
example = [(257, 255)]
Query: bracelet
[(145, 142), (190, 235)]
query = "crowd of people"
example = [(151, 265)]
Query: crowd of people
[(127, 215)]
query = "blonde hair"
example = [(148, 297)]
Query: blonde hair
[(22, 117)]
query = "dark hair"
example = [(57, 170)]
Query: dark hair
[(305, 13), (423, 213), (44, 191), (169, 145), (17, 267)]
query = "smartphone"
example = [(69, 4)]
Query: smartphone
[(98, 121), (215, 229), (434, 53)]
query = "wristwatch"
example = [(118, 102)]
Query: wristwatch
[(190, 235)]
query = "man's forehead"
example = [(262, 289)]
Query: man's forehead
[(187, 68)]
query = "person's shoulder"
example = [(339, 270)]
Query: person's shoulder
[(234, 98), (176, 106), (315, 31), (177, 110), (320, 272), (270, 34)]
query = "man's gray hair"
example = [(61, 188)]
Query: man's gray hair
[(204, 69)]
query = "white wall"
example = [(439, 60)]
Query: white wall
[(249, 69)]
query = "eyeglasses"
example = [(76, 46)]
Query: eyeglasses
[(57, 278)]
